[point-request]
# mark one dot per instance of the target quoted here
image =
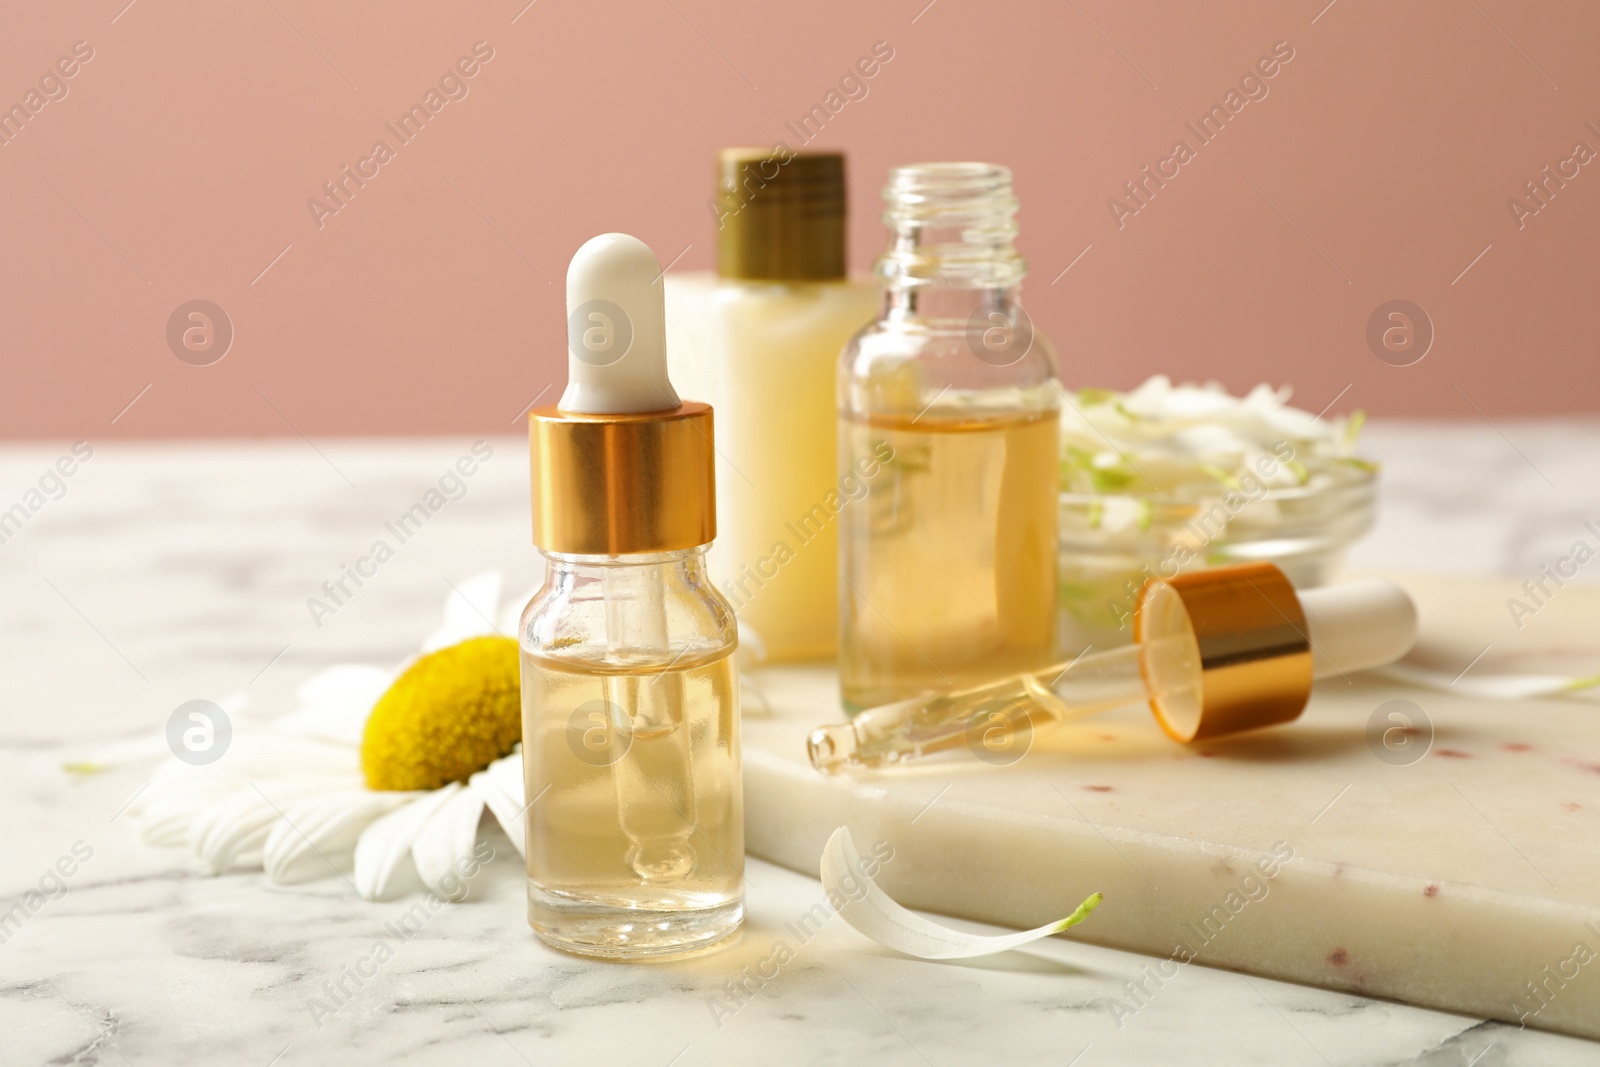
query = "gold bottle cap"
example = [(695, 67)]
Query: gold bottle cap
[(614, 485), (1250, 639), (780, 215)]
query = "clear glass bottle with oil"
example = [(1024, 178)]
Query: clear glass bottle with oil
[(631, 747), (630, 702), (950, 399)]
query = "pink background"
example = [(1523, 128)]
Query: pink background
[(180, 162)]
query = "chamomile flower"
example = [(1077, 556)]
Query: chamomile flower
[(385, 774), (388, 772)]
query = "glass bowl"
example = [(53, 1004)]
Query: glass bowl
[(1111, 542)]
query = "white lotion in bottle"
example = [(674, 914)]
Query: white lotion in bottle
[(760, 340)]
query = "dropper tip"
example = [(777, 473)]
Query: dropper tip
[(831, 748)]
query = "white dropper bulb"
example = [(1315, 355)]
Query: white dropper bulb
[(1354, 626), (616, 330)]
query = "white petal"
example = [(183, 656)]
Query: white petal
[(335, 703), (385, 846), (168, 818), (1122, 513), (229, 835), (1491, 686), (167, 830), (317, 831), (469, 611), (445, 843), (500, 786), (343, 683), (870, 910)]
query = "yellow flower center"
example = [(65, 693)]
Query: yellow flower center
[(451, 714)]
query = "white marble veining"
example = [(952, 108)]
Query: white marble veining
[(167, 573)]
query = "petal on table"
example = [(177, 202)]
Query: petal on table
[(443, 850), (385, 847), (120, 753), (871, 911), (1493, 686)]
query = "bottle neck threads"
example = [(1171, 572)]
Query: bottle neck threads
[(950, 224)]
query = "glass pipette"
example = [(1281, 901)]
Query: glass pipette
[(1215, 652)]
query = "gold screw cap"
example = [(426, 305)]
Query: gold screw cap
[(780, 215)]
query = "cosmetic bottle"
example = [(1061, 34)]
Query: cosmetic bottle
[(948, 565), (630, 703), (1215, 653), (759, 340)]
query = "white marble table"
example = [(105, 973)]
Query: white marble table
[(169, 573)]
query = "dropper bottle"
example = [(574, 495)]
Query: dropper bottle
[(630, 704), (1215, 653)]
